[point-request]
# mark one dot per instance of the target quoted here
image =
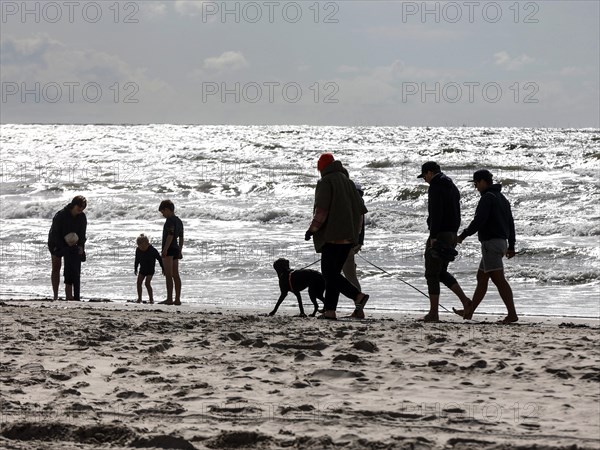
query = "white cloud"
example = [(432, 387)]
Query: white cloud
[(227, 61), (153, 9), (42, 60), (52, 81), (188, 7), (572, 71), (397, 71), (371, 85), (28, 51), (365, 90), (384, 85), (348, 69), (416, 32), (504, 60)]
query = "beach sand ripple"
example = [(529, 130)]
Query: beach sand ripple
[(135, 376)]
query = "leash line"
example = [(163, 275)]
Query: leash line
[(311, 264), (405, 282)]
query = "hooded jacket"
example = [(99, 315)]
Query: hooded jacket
[(64, 223), (443, 206), (337, 195), (493, 218)]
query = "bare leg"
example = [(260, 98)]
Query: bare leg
[(434, 302), (168, 265), (349, 269), (506, 294), (460, 294), (360, 301), (466, 301), (480, 291), (149, 288), (55, 275), (140, 280), (177, 281)]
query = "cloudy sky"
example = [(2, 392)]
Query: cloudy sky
[(475, 63)]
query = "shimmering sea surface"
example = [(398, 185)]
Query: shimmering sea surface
[(245, 196)]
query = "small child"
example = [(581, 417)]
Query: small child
[(145, 257), (72, 271)]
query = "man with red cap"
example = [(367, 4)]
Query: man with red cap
[(335, 228)]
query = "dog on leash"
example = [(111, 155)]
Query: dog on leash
[(296, 281)]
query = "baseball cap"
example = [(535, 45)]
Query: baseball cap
[(483, 174), (429, 165)]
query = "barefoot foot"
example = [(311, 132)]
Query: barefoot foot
[(431, 318), (358, 314), (327, 315), (360, 304), (459, 312)]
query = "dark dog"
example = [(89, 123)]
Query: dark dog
[(296, 281)]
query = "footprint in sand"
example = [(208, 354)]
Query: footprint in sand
[(437, 363), (348, 357), (366, 346), (131, 394), (336, 373), (479, 364)]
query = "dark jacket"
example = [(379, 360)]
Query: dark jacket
[(64, 223), (443, 206), (493, 218), (147, 260), (361, 235), (336, 194)]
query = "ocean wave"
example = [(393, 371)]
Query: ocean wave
[(414, 193), (268, 146), (382, 164), (513, 146), (564, 277), (551, 252), (255, 214), (273, 216), (568, 226), (205, 187), (230, 184), (31, 210), (593, 154), (451, 150)]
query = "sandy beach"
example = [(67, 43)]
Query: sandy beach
[(88, 376)]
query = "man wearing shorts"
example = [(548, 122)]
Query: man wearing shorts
[(494, 225)]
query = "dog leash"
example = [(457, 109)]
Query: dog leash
[(405, 282), (311, 264)]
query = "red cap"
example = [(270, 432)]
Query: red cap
[(324, 160)]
